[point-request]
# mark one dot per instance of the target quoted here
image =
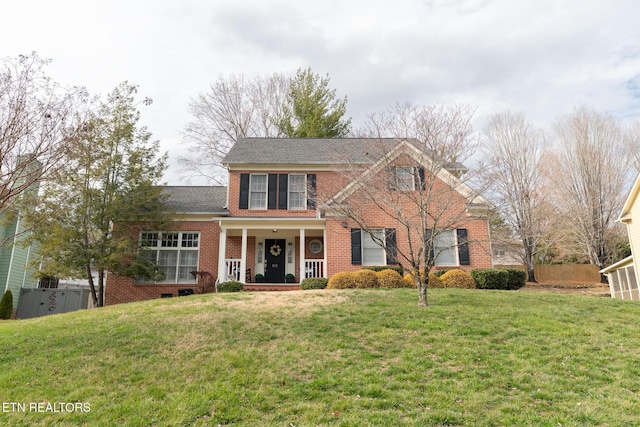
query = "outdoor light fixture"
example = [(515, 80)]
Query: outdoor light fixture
[(275, 230)]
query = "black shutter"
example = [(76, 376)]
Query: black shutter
[(422, 184), (244, 191), (463, 246), (311, 191), (390, 245), (283, 191), (429, 247), (272, 191), (356, 246)]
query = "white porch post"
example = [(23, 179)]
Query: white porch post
[(324, 252), (243, 258), (302, 247), (222, 251)]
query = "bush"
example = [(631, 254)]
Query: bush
[(342, 280), (6, 305), (377, 268), (230, 286), (390, 279), (313, 283), (457, 279), (408, 281), (517, 278), (259, 278), (434, 281), (289, 278), (490, 278), (439, 273), (365, 279)]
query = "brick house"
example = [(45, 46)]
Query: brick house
[(280, 221)]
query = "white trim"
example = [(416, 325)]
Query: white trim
[(303, 239)]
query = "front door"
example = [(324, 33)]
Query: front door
[(274, 260)]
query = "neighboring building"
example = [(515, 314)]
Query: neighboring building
[(624, 279), (507, 252), (275, 223)]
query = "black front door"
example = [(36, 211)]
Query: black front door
[(274, 260)]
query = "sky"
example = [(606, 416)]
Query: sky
[(541, 58)]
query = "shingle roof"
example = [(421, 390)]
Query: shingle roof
[(308, 151), (196, 199)]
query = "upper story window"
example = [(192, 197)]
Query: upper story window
[(294, 191), (176, 254), (297, 191), (404, 177), (258, 191)]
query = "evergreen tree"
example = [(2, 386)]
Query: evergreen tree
[(87, 218), (312, 110)]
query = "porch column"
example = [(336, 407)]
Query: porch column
[(324, 252), (302, 247), (243, 257), (222, 251)]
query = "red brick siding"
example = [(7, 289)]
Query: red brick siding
[(123, 289)]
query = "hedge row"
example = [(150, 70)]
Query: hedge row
[(495, 278), (367, 278)]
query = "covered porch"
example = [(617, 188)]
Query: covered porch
[(623, 282), (271, 252)]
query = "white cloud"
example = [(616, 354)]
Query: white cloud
[(541, 57)]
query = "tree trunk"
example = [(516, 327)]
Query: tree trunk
[(92, 287), (101, 288), (530, 259), (422, 289)]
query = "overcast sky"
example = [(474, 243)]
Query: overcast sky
[(539, 57)]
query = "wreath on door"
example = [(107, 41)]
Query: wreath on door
[(275, 250)]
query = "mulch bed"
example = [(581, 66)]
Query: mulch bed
[(578, 288)]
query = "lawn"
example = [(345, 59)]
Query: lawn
[(325, 358)]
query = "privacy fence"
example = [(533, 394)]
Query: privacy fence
[(37, 302), (562, 272)]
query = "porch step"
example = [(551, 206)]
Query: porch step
[(271, 287)]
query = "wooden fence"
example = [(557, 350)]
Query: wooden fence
[(562, 272)]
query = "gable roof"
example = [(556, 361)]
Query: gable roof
[(196, 199), (625, 214), (318, 151)]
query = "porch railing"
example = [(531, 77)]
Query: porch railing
[(313, 268), (232, 269)]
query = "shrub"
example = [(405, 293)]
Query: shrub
[(259, 278), (434, 281), (377, 268), (6, 305), (289, 278), (517, 278), (390, 279), (457, 279), (230, 286), (313, 283), (342, 280), (490, 278), (365, 279), (439, 273)]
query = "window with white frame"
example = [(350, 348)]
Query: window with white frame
[(297, 191), (405, 179), (258, 191), (445, 247), (175, 254), (372, 252)]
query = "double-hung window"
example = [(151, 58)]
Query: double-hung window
[(372, 252), (174, 253), (405, 178), (258, 191), (445, 247), (297, 191)]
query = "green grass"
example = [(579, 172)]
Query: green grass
[(331, 358)]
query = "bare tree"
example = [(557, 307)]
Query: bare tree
[(37, 119), (513, 152), (233, 108), (590, 172), (633, 144), (413, 183)]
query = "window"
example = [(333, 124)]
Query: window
[(405, 179), (258, 192), (175, 253), (372, 252), (297, 191), (445, 249), (315, 246)]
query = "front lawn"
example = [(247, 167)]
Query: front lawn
[(344, 358)]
